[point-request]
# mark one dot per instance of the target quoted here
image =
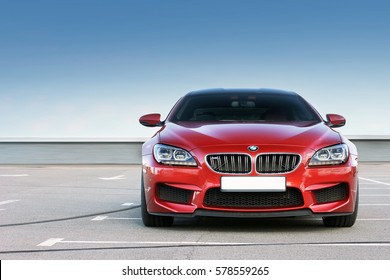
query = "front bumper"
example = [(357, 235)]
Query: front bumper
[(324, 191)]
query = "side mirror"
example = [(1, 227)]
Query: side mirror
[(151, 120), (334, 120)]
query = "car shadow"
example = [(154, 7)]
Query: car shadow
[(249, 224)]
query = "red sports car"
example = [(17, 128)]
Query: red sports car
[(248, 153)]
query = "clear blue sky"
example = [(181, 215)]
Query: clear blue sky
[(91, 68)]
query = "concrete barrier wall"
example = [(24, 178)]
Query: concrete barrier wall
[(70, 151), (373, 150), (128, 151)]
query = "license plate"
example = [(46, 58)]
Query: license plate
[(253, 184)]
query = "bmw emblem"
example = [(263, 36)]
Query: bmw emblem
[(253, 148)]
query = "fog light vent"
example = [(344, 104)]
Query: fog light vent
[(336, 193), (171, 194)]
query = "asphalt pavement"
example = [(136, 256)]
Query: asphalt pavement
[(92, 212)]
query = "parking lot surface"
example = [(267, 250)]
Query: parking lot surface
[(92, 212)]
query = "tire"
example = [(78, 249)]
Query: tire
[(152, 220), (343, 221)]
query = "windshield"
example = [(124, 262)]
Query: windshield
[(244, 107)]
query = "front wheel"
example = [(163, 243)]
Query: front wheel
[(152, 220), (343, 221)]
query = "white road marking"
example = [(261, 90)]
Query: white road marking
[(8, 201), (374, 194), (367, 244), (99, 218), (373, 219), (119, 177), (2, 209), (375, 181), (127, 204), (374, 188), (14, 175), (52, 241), (123, 218), (374, 204)]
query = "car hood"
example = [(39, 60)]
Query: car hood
[(192, 135)]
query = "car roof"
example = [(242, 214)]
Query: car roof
[(241, 91)]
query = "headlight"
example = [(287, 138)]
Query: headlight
[(172, 156), (333, 155)]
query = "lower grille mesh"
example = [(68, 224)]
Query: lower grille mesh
[(291, 198), (331, 194)]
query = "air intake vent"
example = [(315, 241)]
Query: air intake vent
[(291, 198), (230, 163), (277, 163), (171, 194), (336, 193)]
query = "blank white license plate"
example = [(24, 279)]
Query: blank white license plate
[(253, 184)]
